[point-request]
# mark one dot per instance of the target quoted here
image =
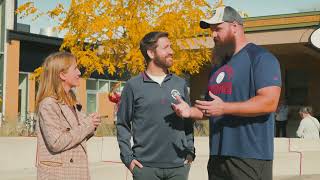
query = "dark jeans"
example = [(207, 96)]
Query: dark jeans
[(281, 126), (149, 173), (232, 168)]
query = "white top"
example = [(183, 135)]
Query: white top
[(158, 79), (309, 128)]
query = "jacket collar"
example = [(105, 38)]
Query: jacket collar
[(146, 78)]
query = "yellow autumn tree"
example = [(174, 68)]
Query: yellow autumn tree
[(105, 35)]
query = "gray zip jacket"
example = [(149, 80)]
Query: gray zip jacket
[(160, 138)]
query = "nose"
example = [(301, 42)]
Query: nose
[(78, 72), (213, 34), (170, 51)]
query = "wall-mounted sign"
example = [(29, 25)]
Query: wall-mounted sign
[(315, 38)]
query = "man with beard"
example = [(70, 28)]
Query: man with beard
[(163, 144), (243, 93)]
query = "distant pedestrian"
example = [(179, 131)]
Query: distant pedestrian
[(309, 126), (282, 119)]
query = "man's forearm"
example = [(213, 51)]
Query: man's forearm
[(255, 106), (196, 114)]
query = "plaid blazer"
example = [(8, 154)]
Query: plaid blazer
[(61, 146)]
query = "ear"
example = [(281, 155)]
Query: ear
[(62, 76), (234, 27), (150, 54)]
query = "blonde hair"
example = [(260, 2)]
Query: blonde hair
[(50, 84)]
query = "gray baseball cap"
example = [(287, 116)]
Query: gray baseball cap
[(220, 15)]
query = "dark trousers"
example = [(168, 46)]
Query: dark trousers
[(281, 127), (149, 173), (232, 168)]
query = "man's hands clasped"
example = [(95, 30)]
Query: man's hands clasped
[(216, 107)]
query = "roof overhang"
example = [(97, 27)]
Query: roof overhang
[(30, 37), (268, 30)]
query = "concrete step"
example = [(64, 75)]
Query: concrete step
[(281, 145), (310, 162), (286, 163), (304, 145)]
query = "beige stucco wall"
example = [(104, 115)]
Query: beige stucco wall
[(12, 80), (31, 94), (82, 94), (105, 107)]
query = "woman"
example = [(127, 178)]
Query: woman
[(62, 130), (309, 126)]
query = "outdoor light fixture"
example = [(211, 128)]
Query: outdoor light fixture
[(315, 38)]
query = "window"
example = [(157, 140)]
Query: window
[(92, 95), (91, 102), (92, 84), (104, 86), (23, 96), (95, 86)]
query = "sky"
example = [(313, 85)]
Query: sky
[(253, 8)]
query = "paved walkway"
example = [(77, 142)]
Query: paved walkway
[(306, 177), (116, 171)]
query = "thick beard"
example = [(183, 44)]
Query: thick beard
[(161, 62), (223, 51)]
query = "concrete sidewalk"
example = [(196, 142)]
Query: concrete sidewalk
[(292, 157), (117, 171), (306, 177)]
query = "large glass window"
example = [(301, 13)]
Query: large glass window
[(92, 85), (23, 96), (104, 86), (91, 102), (95, 86)]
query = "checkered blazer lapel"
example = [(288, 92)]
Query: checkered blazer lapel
[(81, 118), (72, 119), (69, 115)]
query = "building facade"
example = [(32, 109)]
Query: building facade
[(26, 52)]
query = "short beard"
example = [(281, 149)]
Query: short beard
[(223, 51), (161, 62)]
